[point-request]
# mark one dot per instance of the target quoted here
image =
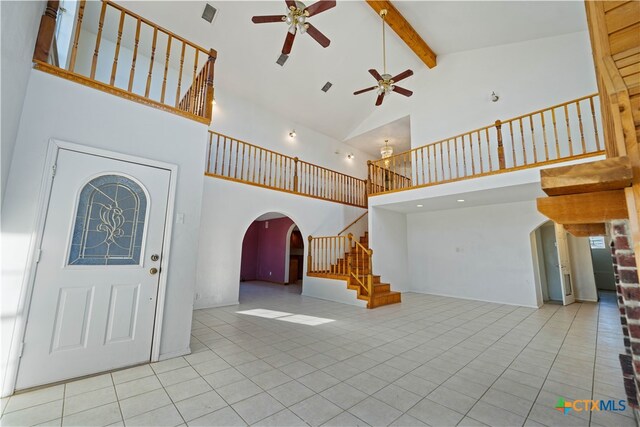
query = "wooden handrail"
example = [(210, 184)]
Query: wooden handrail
[(236, 160), (101, 73), (353, 223), (558, 133)]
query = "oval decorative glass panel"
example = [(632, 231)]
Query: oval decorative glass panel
[(109, 223)]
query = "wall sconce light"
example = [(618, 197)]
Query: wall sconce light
[(494, 97), (350, 156), (292, 134)]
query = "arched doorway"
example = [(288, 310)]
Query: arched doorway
[(272, 255)]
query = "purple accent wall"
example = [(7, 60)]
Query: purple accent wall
[(263, 250)]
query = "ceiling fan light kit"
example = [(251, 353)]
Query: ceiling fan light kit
[(296, 18), (386, 82)]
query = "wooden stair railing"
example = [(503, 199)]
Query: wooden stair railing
[(173, 61), (345, 258), (240, 161), (563, 132)]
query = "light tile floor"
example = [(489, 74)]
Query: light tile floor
[(428, 361)]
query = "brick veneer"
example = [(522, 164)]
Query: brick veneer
[(628, 293)]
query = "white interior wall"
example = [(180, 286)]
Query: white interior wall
[(240, 119), (228, 208), (20, 21), (584, 282), (58, 108), (454, 97), (388, 239), (481, 253)]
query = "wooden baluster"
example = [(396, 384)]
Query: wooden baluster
[(253, 169), (114, 67), (480, 152), (449, 158), (524, 147), (260, 167), (166, 68), (473, 156), (309, 257), (566, 116), (224, 153), (76, 36), (501, 160), (533, 141), (153, 54), (513, 144), (136, 42), (295, 174), (584, 146), (455, 153), (209, 153), (217, 150), (595, 123), (194, 82), (178, 90), (235, 168), (242, 164), (544, 135), (96, 51), (488, 139), (210, 88)]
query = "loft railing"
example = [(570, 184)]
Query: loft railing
[(103, 45), (341, 257), (236, 160), (566, 131)]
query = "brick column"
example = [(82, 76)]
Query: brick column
[(628, 293)]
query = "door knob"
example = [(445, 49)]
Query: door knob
[(153, 271)]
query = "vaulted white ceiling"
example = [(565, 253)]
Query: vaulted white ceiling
[(247, 52)]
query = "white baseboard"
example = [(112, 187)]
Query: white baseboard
[(473, 299)]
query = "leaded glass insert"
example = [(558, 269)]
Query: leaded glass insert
[(109, 222)]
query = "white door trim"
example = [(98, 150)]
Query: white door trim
[(54, 146), (287, 253)]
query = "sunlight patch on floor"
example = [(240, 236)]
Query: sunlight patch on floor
[(287, 317)]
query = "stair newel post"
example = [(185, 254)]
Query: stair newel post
[(501, 162), (348, 255), (309, 259), (46, 32), (369, 168), (209, 82), (370, 276), (295, 175)]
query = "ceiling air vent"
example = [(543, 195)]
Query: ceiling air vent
[(327, 86), (282, 59), (209, 13)]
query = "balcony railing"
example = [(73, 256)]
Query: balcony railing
[(240, 161), (563, 132), (103, 45)]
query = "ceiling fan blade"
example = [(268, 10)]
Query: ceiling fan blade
[(358, 92), (402, 91), (319, 7), (318, 36), (288, 43), (291, 3), (380, 99), (267, 18), (402, 76), (376, 75)]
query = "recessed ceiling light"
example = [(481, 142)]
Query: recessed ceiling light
[(460, 200), (419, 206)]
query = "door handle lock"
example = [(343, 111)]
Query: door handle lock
[(153, 271), (155, 257)]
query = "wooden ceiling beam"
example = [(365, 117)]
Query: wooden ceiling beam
[(586, 230), (586, 208), (608, 174), (403, 28)]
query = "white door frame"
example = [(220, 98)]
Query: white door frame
[(55, 145), (287, 253)]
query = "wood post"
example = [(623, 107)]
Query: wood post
[(349, 258), (295, 174), (501, 162), (46, 32), (213, 55), (309, 255)]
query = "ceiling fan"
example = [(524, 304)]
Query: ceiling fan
[(296, 19), (386, 82)]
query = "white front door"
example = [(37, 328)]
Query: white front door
[(568, 296), (94, 297)]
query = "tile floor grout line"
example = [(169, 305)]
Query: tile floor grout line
[(554, 360)]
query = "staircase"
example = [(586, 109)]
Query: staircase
[(344, 258)]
